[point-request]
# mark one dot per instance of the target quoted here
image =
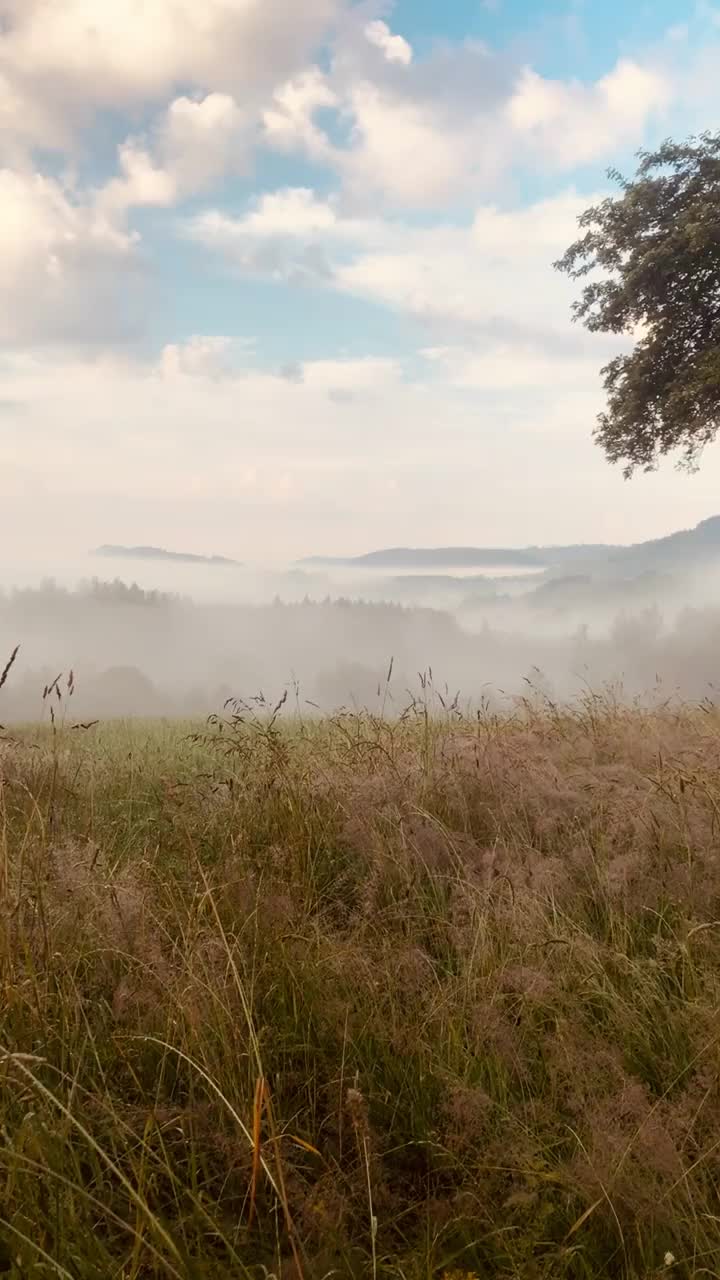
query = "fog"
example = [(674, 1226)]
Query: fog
[(146, 637), (261, 581)]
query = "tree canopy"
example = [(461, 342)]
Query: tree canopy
[(655, 247)]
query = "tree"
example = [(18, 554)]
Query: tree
[(656, 247)]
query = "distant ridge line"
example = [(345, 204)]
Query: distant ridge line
[(110, 551), (705, 535)]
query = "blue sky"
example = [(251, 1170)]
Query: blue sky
[(583, 38), (276, 281)]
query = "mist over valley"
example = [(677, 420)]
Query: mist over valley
[(177, 633)]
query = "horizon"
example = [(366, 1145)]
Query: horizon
[(434, 569), (219, 557)]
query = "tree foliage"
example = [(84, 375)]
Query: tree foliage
[(655, 249)]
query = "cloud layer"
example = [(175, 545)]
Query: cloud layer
[(193, 196)]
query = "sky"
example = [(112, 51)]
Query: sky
[(276, 279)]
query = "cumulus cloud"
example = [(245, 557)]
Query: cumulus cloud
[(489, 276), (493, 314), (486, 282), (26, 120), (65, 252), (416, 132), (141, 182), (80, 55), (283, 236), (203, 138), (292, 211), (200, 75), (204, 356), (193, 142), (395, 48), (288, 123), (423, 137), (61, 265), (403, 149), (573, 124), (229, 75)]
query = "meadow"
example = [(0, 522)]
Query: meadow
[(423, 995)]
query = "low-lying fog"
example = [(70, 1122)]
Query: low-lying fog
[(148, 637), (259, 583)]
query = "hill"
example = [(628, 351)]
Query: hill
[(432, 558), (682, 547), (159, 553)]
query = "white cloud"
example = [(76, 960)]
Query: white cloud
[(208, 69), (492, 276), (293, 211), (495, 314), (573, 124), (200, 139), (285, 235), (513, 367), (404, 150), (204, 437), (345, 381), (61, 261), (193, 142), (176, 428), (26, 120), (423, 131), (252, 465), (141, 182), (213, 356), (288, 123), (395, 48), (81, 54), (419, 132), (204, 356), (693, 64)]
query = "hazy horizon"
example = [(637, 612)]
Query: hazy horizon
[(148, 637), (23, 569)]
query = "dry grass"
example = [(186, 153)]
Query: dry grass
[(431, 998)]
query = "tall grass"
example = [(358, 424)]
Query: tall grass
[(432, 996)]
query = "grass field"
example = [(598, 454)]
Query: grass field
[(430, 997)]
